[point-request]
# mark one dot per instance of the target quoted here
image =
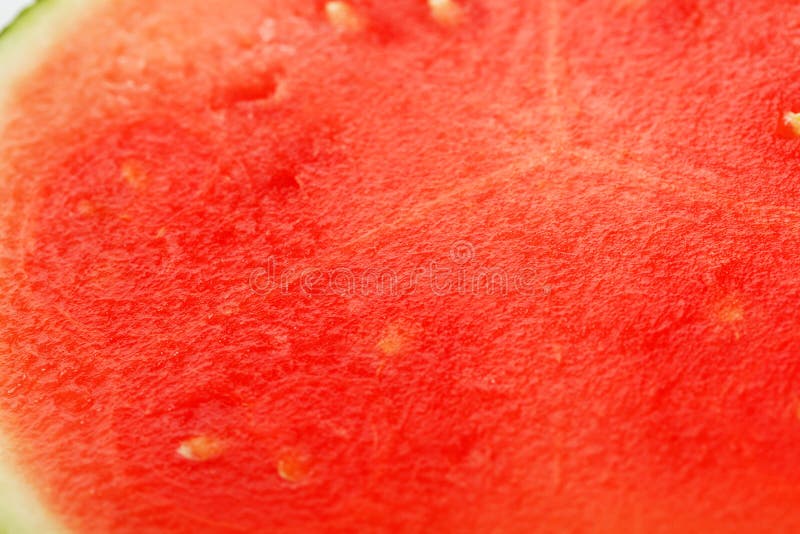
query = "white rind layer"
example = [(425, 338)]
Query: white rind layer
[(23, 46), (27, 40)]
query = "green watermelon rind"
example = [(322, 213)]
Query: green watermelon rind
[(24, 44), (19, 21), (26, 41)]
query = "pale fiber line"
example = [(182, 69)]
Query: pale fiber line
[(502, 175), (554, 72), (594, 160), (639, 176), (651, 174), (537, 160)]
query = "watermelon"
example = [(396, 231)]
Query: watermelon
[(400, 266)]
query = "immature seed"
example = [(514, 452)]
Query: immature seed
[(392, 340), (446, 12), (730, 311), (792, 120), (344, 17), (133, 174), (85, 207), (200, 448), (293, 466)]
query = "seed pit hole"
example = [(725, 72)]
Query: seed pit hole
[(284, 178), (250, 87)]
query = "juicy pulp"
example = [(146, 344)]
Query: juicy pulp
[(628, 160)]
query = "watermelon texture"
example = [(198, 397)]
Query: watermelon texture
[(490, 266)]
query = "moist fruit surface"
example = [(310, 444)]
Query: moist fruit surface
[(406, 266)]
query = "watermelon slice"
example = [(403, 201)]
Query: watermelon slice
[(400, 266)]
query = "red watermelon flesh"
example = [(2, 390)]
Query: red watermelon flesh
[(397, 266)]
